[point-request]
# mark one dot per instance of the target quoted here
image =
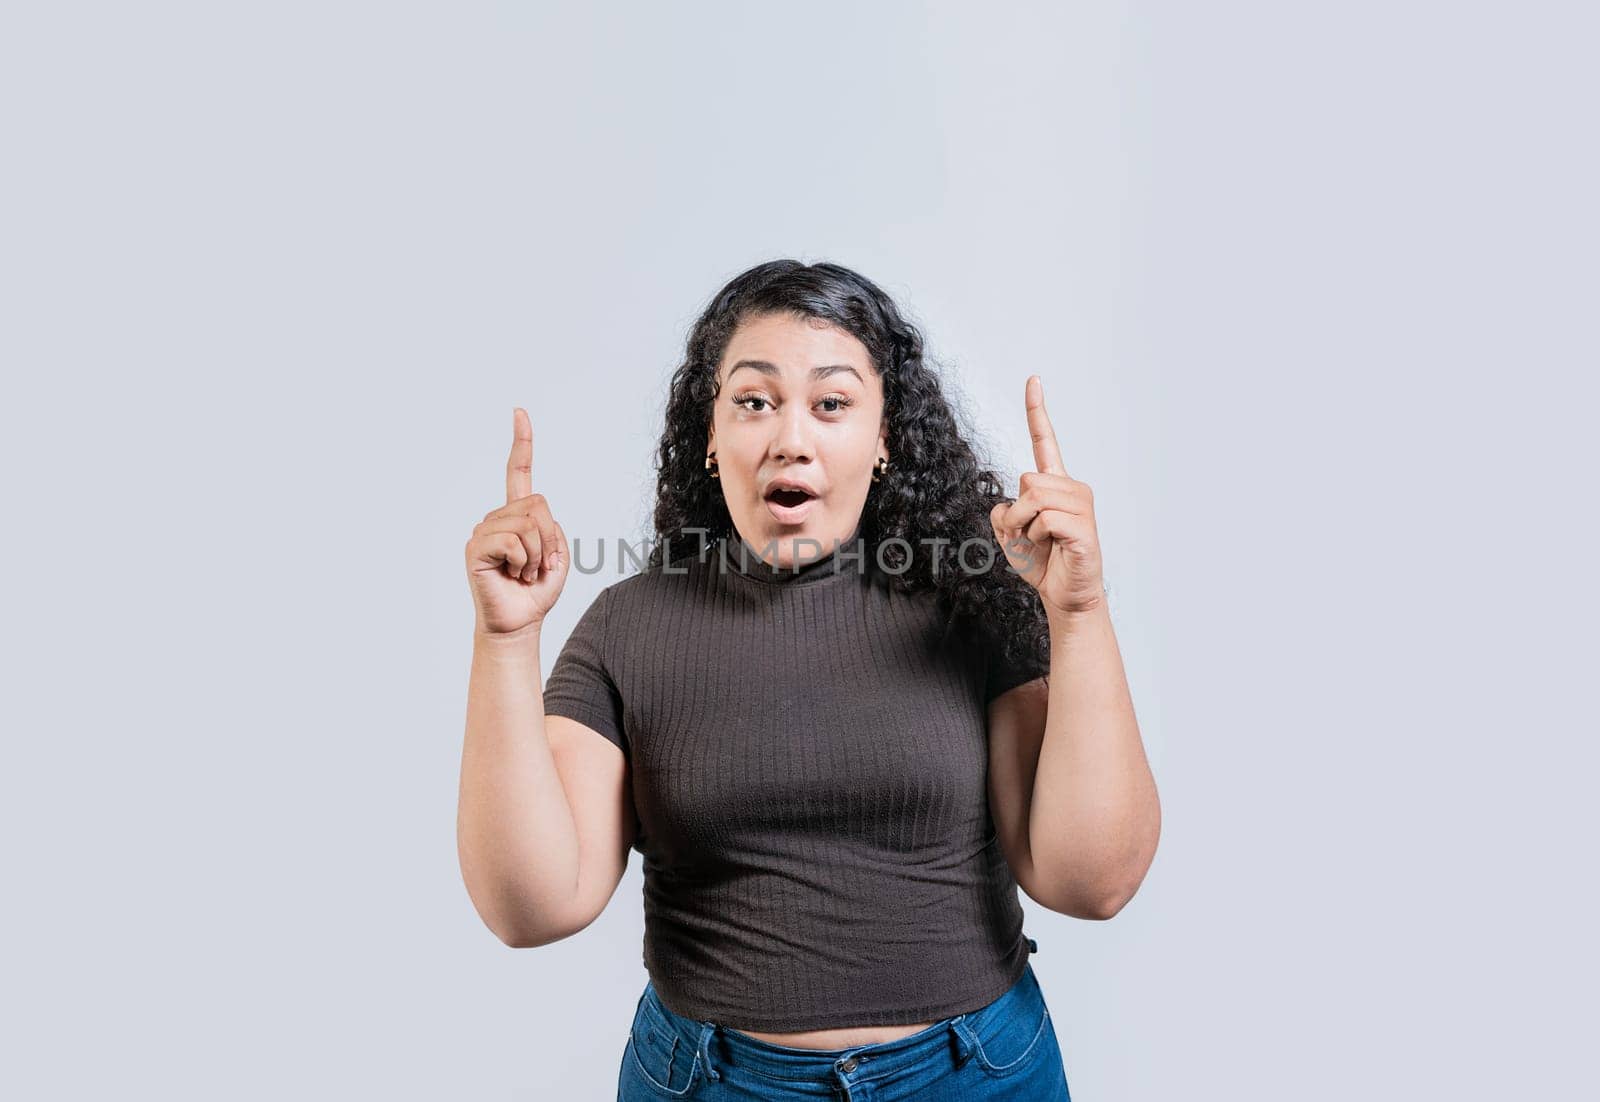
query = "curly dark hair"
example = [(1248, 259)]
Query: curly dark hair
[(935, 488)]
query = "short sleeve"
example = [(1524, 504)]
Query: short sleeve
[(580, 686), (1003, 673)]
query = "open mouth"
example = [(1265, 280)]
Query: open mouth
[(789, 504), (788, 498)]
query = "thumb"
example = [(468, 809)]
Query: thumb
[(561, 556), (996, 516)]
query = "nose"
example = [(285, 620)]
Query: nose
[(792, 437)]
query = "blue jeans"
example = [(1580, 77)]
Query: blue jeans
[(1007, 1049)]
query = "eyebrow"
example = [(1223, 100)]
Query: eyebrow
[(821, 372)]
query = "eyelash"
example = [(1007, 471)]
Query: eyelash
[(839, 399)]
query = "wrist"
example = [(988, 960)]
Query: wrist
[(1092, 610), (517, 640)]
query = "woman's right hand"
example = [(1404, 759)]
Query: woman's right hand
[(517, 558)]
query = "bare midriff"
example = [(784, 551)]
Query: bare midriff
[(847, 1037)]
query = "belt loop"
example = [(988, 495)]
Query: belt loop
[(706, 1030), (964, 1038)]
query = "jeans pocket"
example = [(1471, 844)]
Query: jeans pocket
[(1013, 1030), (1012, 1051), (663, 1060)]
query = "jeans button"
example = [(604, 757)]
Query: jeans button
[(849, 1064)]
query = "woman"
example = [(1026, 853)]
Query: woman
[(856, 697)]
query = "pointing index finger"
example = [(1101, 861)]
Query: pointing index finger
[(1045, 452), (519, 468)]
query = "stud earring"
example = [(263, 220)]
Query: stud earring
[(881, 469), (711, 465)]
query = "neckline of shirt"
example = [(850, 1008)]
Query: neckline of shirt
[(828, 564)]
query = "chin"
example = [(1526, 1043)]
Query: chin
[(769, 530)]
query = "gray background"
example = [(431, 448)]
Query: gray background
[(1312, 289)]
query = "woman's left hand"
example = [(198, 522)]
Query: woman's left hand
[(1048, 534)]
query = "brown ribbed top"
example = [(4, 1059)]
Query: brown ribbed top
[(808, 751)]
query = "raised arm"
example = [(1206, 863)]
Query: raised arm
[(545, 818)]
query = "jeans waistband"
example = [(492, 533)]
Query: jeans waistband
[(717, 1045)]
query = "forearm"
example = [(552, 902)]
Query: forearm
[(515, 834), (1095, 816)]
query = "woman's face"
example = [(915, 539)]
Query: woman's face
[(799, 403)]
